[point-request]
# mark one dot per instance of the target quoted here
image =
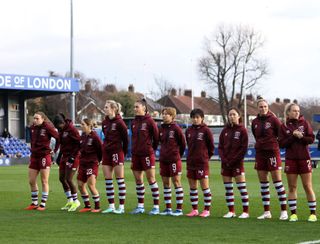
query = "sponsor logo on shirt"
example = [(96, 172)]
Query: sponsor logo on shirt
[(237, 135), (113, 126), (90, 142), (144, 126), (42, 132), (200, 136), (267, 125)]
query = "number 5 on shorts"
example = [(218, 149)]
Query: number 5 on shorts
[(148, 161)]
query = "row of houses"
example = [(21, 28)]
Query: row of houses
[(91, 103)]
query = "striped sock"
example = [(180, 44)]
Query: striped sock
[(155, 194), (229, 196), (69, 196), (292, 205), (207, 199), (312, 206), (167, 197), (281, 194), (44, 199), (140, 194), (265, 194), (194, 198), (86, 201), (179, 197), (34, 197), (122, 191), (110, 192), (96, 199), (242, 187)]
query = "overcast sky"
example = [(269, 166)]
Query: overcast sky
[(133, 41)]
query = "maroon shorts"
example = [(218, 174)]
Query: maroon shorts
[(268, 161), (85, 172), (170, 169), (142, 163), (64, 165), (298, 166), (233, 172), (113, 159), (198, 174), (39, 163)]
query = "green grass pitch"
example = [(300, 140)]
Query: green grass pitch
[(56, 226)]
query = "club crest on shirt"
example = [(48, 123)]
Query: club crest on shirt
[(113, 126), (255, 126), (301, 128), (171, 134), (237, 135), (200, 136), (144, 126), (226, 134), (65, 134), (267, 125), (288, 131), (43, 161), (90, 142), (43, 132)]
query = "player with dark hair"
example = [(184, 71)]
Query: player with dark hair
[(296, 135), (115, 146), (69, 159), (265, 129), (200, 150), (172, 148), (40, 162), (90, 156), (233, 145), (145, 139)]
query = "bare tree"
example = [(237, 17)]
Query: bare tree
[(163, 88), (231, 64)]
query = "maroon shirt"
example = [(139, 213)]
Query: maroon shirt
[(296, 149), (40, 139), (233, 144), (145, 135), (265, 130), (200, 146), (69, 140), (115, 135), (90, 148), (172, 142)]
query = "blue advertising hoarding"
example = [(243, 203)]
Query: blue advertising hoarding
[(39, 83)]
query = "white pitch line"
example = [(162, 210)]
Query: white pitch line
[(310, 242)]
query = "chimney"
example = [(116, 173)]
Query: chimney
[(188, 93), (203, 94), (295, 101), (131, 88), (87, 86), (277, 100), (173, 92), (286, 100)]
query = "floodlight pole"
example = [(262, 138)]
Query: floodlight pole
[(245, 106), (73, 94)]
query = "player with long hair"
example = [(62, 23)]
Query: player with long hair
[(145, 139), (295, 136), (115, 146), (265, 129), (40, 162)]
